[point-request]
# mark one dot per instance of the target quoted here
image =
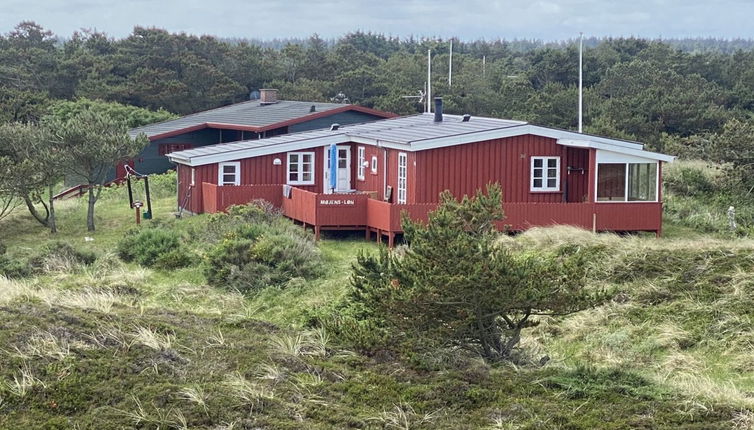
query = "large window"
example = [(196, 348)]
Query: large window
[(361, 167), (300, 168), (620, 182), (229, 173), (545, 173), (642, 182), (402, 175)]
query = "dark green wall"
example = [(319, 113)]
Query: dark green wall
[(150, 161)]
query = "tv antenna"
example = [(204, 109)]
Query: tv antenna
[(420, 97)]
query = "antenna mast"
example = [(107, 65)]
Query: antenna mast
[(450, 65), (581, 90), (429, 80)]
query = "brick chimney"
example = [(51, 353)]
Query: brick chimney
[(268, 96)]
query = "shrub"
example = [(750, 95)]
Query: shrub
[(61, 256), (154, 248), (257, 247)]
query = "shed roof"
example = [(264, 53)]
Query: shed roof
[(250, 116), (408, 133)]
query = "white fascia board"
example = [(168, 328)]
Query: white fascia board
[(646, 155), (516, 130), (258, 151)]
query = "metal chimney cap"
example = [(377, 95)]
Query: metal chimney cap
[(466, 118), (438, 109), (334, 127)]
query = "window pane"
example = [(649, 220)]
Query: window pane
[(229, 169), (551, 183), (292, 176), (306, 176), (307, 158), (293, 158), (537, 183), (537, 162), (293, 168), (611, 182), (229, 179), (552, 162), (551, 173), (537, 173), (642, 182)]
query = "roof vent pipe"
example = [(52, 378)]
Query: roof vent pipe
[(334, 127), (313, 108), (466, 118), (438, 109)]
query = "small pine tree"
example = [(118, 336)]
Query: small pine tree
[(458, 285)]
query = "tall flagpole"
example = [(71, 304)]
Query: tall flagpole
[(450, 65), (581, 71), (429, 80)]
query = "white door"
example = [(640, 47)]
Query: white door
[(344, 169)]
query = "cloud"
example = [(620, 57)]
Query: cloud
[(472, 19)]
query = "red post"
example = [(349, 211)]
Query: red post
[(138, 215), (316, 232)]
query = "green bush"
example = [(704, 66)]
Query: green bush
[(14, 268), (154, 248), (256, 247), (61, 256)]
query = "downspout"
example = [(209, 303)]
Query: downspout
[(384, 171)]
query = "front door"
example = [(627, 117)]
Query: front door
[(344, 170)]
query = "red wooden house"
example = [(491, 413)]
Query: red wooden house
[(385, 167)]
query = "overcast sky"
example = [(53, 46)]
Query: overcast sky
[(471, 19)]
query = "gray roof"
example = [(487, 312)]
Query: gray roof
[(401, 130), (408, 133), (249, 114)]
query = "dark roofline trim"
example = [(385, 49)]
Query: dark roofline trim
[(259, 129)]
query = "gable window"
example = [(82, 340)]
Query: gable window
[(229, 173), (545, 174), (374, 164), (167, 148), (301, 168), (360, 168)]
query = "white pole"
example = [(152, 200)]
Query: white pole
[(450, 66), (581, 90), (484, 66), (429, 80)]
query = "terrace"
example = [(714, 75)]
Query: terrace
[(359, 211)]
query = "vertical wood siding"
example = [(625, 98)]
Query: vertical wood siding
[(463, 169)]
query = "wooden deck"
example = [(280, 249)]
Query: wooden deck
[(360, 212)]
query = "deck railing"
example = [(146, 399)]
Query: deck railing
[(359, 211)]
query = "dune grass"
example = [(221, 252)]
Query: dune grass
[(115, 345)]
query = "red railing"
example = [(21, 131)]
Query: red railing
[(217, 199), (359, 211)]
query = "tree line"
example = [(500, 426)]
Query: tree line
[(634, 88)]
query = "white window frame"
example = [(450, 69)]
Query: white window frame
[(402, 178), (544, 187), (362, 157), (625, 186), (300, 164), (374, 164), (237, 173)]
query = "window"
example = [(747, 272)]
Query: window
[(402, 174), (611, 182), (633, 182), (167, 148), (229, 173), (545, 173), (374, 164), (642, 182), (360, 167), (300, 168)]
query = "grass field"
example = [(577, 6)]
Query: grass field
[(116, 345)]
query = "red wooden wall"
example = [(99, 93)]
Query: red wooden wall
[(463, 169)]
